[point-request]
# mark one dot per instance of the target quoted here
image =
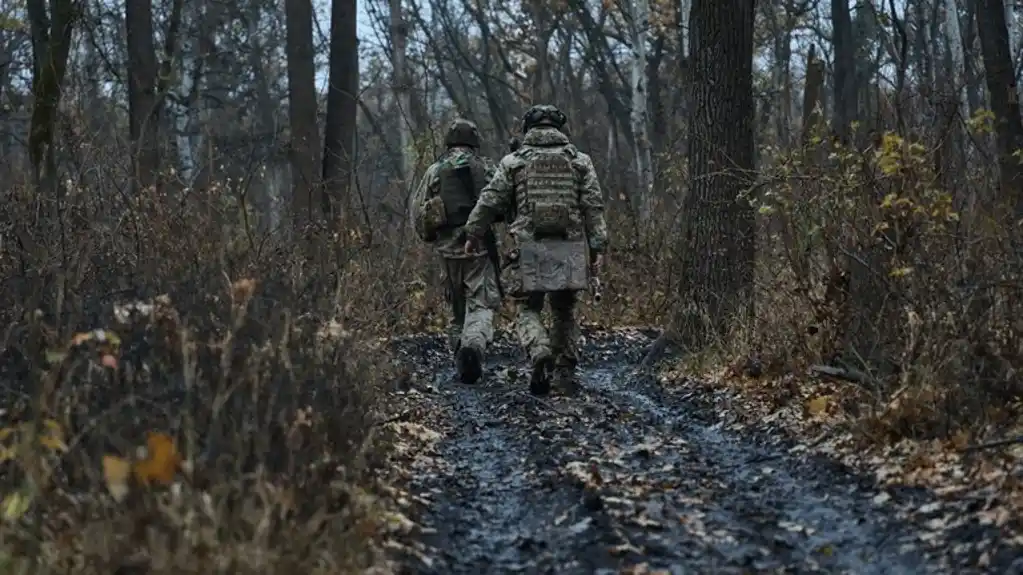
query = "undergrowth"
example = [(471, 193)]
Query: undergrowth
[(181, 396)]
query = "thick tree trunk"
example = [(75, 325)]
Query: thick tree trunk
[(718, 242), (845, 70), (305, 137), (143, 101), (1001, 84), (339, 136), (400, 81)]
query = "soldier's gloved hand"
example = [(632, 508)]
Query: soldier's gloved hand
[(472, 246)]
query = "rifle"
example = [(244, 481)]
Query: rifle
[(514, 144), (489, 239)]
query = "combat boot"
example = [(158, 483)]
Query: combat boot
[(469, 364), (540, 379), (565, 379)]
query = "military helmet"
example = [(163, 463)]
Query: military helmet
[(462, 132), (543, 115)]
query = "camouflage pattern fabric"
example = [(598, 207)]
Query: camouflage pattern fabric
[(561, 341), (428, 209), (506, 194), (471, 285)]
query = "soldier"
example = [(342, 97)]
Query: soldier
[(441, 205), (549, 192)]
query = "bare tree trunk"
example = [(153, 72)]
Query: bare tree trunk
[(143, 102), (846, 105), (339, 139), (305, 137), (51, 44), (265, 200), (1002, 90), (951, 157), (639, 22), (400, 80), (813, 85), (718, 240), (541, 90)]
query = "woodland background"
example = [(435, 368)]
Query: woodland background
[(800, 184)]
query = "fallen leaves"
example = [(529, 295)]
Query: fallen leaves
[(818, 406), (51, 438), (158, 467), (106, 343), (116, 472), (820, 417)]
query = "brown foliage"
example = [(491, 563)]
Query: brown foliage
[(249, 362)]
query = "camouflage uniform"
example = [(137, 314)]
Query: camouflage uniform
[(471, 280), (505, 195)]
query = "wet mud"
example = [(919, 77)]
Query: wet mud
[(626, 472)]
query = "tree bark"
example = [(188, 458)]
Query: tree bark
[(339, 136), (143, 109), (400, 81), (718, 240), (845, 70), (639, 22), (305, 144), (51, 44), (1002, 91)]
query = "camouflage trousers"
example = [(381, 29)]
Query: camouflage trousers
[(562, 340), (471, 287)]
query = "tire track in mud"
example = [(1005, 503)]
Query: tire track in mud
[(626, 473)]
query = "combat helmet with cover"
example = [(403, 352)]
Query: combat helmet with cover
[(462, 132), (462, 174), (543, 115)]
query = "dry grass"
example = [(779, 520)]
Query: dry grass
[(260, 362)]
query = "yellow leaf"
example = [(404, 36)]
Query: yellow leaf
[(900, 272), (162, 462), (16, 504), (818, 405), (115, 474)]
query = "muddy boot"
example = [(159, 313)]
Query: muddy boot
[(469, 363), (565, 379), (540, 379)]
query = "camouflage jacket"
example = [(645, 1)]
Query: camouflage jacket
[(450, 243), (505, 193)]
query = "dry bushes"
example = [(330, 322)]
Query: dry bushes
[(255, 357), (878, 266), (871, 264)]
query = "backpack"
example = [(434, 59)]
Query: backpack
[(551, 261), (551, 192), (462, 178)]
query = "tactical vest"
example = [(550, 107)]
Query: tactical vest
[(551, 192), (460, 187)]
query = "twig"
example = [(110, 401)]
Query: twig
[(403, 416), (992, 444), (548, 405), (841, 373)]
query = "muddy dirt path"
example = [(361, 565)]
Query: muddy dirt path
[(626, 472)]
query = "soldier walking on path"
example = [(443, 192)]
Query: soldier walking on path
[(549, 192), (441, 206)]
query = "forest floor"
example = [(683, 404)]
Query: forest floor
[(640, 473)]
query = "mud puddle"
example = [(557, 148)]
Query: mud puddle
[(624, 473)]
